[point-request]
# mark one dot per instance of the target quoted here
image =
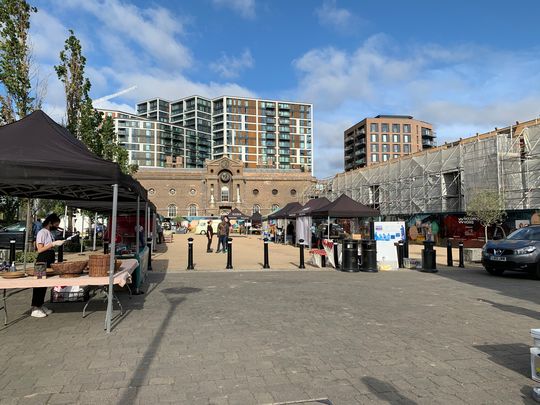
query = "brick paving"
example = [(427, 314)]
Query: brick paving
[(458, 336)]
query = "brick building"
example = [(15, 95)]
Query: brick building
[(223, 184)]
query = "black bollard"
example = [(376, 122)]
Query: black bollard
[(105, 248), (229, 254), (60, 253), (461, 255), (11, 251), (302, 266), (336, 255), (449, 258), (399, 248), (266, 265), (190, 255), (429, 258), (406, 248)]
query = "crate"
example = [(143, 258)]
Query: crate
[(409, 263), (69, 294)]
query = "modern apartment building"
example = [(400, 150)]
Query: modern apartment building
[(261, 133), (385, 137), (152, 143)]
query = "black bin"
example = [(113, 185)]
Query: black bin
[(429, 258), (369, 256), (349, 258)]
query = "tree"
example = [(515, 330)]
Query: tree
[(70, 71), (83, 120), (16, 99), (488, 207)]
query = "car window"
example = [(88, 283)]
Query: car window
[(528, 233)]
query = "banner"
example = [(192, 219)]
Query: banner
[(386, 234)]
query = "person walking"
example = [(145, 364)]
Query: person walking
[(45, 245), (223, 234), (209, 235)]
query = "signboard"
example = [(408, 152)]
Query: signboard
[(386, 234)]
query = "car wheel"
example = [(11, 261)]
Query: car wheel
[(536, 273), (494, 272)]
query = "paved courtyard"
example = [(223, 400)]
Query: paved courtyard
[(458, 336)]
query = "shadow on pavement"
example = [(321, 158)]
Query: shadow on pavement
[(526, 394), (382, 390), (513, 309), (513, 356), (511, 284), (174, 296)]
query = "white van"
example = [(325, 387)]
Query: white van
[(203, 224)]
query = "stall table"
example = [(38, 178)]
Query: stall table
[(140, 272), (121, 278)]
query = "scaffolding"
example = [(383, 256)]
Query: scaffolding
[(444, 179)]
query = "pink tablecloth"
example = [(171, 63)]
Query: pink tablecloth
[(122, 277)]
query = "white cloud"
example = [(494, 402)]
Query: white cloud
[(246, 8), (331, 15), (460, 89), (231, 66)]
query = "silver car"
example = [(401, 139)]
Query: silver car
[(520, 251)]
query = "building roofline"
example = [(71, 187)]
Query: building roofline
[(224, 96)]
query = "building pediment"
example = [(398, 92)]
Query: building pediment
[(224, 163)]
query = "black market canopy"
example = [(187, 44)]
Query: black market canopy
[(256, 218), (344, 207), (237, 214), (41, 159), (284, 212), (311, 205)]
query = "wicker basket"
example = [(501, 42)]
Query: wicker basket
[(98, 265), (69, 269)]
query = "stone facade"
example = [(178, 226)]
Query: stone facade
[(222, 185)]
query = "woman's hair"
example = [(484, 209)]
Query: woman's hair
[(51, 219)]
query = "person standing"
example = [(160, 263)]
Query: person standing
[(290, 233), (209, 235), (45, 245), (223, 234)]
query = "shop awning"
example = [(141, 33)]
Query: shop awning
[(344, 207)]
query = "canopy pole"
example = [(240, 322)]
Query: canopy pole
[(95, 233), (108, 318), (65, 223), (145, 223), (81, 238), (137, 243), (328, 230), (28, 230)]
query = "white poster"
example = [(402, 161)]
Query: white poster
[(386, 234)]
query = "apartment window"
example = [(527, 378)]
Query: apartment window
[(396, 148), (396, 156), (396, 128), (374, 147), (192, 210), (407, 148), (385, 157), (171, 210), (385, 128), (374, 157), (407, 128), (406, 138), (384, 138), (224, 194), (374, 138), (385, 147), (374, 127), (396, 138)]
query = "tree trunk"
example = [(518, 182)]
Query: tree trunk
[(485, 232)]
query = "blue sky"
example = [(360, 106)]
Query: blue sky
[(464, 66)]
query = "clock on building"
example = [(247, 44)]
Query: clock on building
[(225, 177), (225, 164)]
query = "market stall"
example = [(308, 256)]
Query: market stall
[(304, 221), (121, 278), (281, 217), (41, 159)]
